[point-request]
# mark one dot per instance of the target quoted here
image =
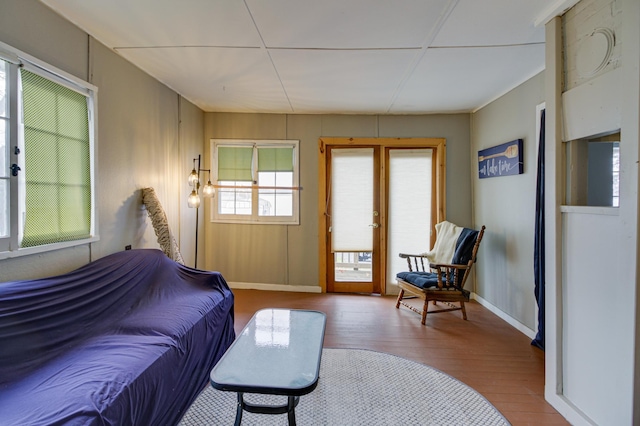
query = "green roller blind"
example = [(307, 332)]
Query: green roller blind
[(234, 163), (275, 159), (57, 162)]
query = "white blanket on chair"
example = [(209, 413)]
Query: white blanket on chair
[(447, 235)]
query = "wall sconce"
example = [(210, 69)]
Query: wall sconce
[(208, 190), (194, 180)]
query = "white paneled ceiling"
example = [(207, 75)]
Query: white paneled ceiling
[(325, 56)]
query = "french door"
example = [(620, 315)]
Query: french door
[(377, 197), (354, 214)]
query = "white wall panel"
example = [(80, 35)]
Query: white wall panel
[(593, 108), (596, 353)]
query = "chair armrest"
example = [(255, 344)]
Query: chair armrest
[(406, 255), (416, 262), (448, 274), (447, 265)]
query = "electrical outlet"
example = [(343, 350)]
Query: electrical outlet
[(127, 247)]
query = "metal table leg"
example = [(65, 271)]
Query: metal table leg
[(289, 408)]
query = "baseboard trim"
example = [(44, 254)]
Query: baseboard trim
[(512, 321), (276, 287), (573, 414)]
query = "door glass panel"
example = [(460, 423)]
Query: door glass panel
[(353, 267), (409, 213), (352, 200)]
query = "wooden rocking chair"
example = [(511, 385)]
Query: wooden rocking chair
[(447, 268)]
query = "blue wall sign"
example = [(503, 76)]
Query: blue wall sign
[(501, 160)]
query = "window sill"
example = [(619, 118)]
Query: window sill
[(607, 211), (257, 222), (46, 248)]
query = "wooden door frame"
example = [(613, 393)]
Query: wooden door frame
[(439, 147)]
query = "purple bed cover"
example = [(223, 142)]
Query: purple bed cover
[(129, 339)]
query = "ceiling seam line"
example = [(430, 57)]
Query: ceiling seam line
[(273, 65), (195, 46), (418, 57), (345, 49), (535, 43), (329, 49)]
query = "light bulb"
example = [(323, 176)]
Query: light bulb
[(208, 190), (193, 178), (194, 200)]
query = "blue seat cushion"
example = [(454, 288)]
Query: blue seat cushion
[(426, 280), (419, 279)]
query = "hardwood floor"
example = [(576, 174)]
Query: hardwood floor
[(484, 352)]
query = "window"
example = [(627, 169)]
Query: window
[(257, 181), (4, 151), (47, 157), (593, 171), (615, 175)]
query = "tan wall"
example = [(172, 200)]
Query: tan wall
[(191, 137), (140, 141), (272, 254), (506, 205)]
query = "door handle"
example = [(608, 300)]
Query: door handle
[(375, 225)]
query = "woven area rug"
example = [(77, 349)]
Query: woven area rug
[(362, 387)]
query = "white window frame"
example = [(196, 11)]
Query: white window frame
[(255, 218), (9, 247)]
